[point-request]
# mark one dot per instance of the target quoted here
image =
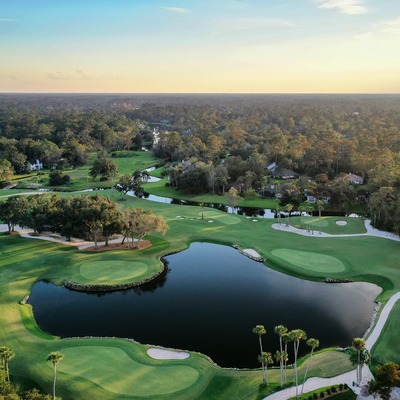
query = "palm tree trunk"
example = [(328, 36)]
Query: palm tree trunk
[(262, 359), (281, 361), (7, 371), (305, 375), (296, 349), (358, 367), (54, 381)]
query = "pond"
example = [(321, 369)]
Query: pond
[(208, 301)]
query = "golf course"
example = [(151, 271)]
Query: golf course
[(112, 368)]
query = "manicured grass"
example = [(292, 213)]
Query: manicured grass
[(388, 346), (159, 189), (329, 224), (310, 261), (24, 261)]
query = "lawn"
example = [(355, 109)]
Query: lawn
[(116, 368)]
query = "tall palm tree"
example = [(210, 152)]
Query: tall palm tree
[(320, 206), (55, 358), (280, 330), (288, 208), (281, 357), (296, 335), (278, 210), (286, 340), (313, 343), (6, 355), (359, 345), (265, 359), (260, 330)]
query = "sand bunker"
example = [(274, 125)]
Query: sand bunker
[(161, 354)]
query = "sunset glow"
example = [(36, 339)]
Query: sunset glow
[(230, 46)]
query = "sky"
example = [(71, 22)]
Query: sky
[(200, 46)]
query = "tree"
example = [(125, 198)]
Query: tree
[(288, 208), (6, 171), (57, 178), (6, 355), (281, 357), (265, 359), (232, 198), (139, 223), (313, 343), (387, 376), (280, 330), (105, 167), (320, 206), (12, 211), (296, 335), (55, 358), (359, 345), (128, 183), (260, 330)]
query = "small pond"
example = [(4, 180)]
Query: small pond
[(209, 300)]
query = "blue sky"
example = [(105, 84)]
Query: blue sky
[(262, 46)]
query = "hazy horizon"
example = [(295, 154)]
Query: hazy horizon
[(207, 46)]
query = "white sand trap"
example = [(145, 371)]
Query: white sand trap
[(341, 223), (210, 220), (255, 220), (161, 354), (251, 252)]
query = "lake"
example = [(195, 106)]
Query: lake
[(209, 299)]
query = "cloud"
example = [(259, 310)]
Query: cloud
[(8, 20), (244, 24), (176, 10), (391, 26), (77, 74), (349, 7)]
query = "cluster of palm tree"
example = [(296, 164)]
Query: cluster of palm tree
[(362, 357), (6, 354), (285, 337)]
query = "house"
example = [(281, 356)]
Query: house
[(36, 166), (281, 173), (350, 178), (355, 179)]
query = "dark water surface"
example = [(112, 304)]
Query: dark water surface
[(209, 301)]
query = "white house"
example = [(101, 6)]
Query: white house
[(36, 166)]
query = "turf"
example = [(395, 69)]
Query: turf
[(25, 261), (310, 261)]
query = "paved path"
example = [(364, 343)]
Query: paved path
[(371, 231)]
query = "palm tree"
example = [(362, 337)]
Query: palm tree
[(278, 210), (320, 206), (280, 330), (286, 340), (313, 343), (359, 345), (281, 357), (265, 359), (260, 330), (288, 208), (6, 355), (202, 210), (296, 335), (302, 209), (55, 358)]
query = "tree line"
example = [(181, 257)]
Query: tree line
[(86, 217)]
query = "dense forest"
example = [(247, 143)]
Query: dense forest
[(212, 141)]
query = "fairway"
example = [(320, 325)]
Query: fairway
[(310, 261), (104, 271), (131, 378)]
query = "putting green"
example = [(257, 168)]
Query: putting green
[(310, 261), (225, 218), (120, 374), (106, 271)]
